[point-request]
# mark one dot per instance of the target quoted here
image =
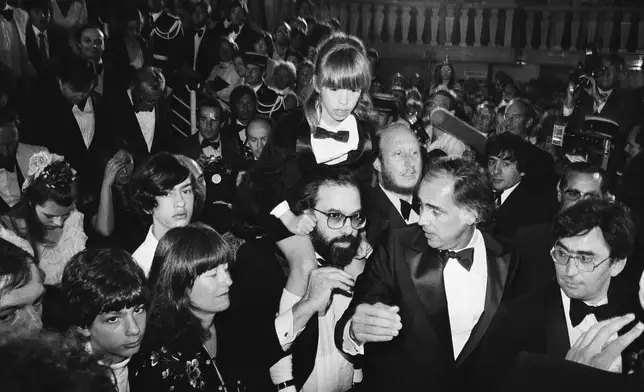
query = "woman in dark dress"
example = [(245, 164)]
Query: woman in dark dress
[(189, 285)]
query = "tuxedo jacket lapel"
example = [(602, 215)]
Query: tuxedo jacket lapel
[(498, 265), (556, 329)]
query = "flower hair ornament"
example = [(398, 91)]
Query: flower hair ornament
[(40, 166)]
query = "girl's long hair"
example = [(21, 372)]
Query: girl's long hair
[(341, 64)]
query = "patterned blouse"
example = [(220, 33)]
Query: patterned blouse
[(163, 370)]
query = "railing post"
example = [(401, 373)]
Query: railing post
[(592, 28), (494, 25), (379, 19), (529, 28), (575, 25), (366, 22), (625, 31), (420, 24), (449, 24), (509, 22), (545, 28), (560, 23), (464, 22), (478, 26), (608, 32), (392, 17), (406, 21), (640, 32), (434, 20), (354, 18)]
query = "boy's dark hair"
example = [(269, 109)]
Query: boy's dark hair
[(100, 281), (508, 146)]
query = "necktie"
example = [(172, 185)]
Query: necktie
[(497, 198), (200, 32), (42, 45), (340, 136), (206, 143), (579, 310), (8, 14), (406, 208), (464, 257)]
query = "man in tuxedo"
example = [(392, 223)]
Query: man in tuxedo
[(90, 41), (238, 27), (579, 181), (517, 203), (429, 295), (197, 57), (44, 44), (14, 164), (68, 118), (398, 168), (243, 105), (140, 115), (164, 34)]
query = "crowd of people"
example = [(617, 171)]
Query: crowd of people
[(323, 228)]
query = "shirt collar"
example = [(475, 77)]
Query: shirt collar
[(476, 238), (506, 193), (7, 7), (38, 32), (155, 15), (602, 301)]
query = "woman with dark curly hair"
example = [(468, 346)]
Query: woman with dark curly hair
[(189, 285)]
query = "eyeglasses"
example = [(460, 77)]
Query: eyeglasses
[(584, 263), (574, 195), (336, 220)]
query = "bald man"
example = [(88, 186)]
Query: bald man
[(257, 134), (398, 167)]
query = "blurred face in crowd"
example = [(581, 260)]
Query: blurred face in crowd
[(240, 66), (400, 165), (304, 76), (225, 51), (209, 293), (632, 147), (282, 34), (580, 186), (283, 78), (92, 44), (124, 175), (117, 335), (458, 90), (134, 27), (373, 63), (155, 5), (483, 119), (257, 134), (40, 17), (312, 52), (516, 119), (237, 15), (503, 172), (446, 73), (245, 108), (260, 46), (144, 96), (291, 57), (586, 283), (437, 101), (74, 95), (209, 122), (8, 143), (607, 78), (52, 215), (338, 104), (174, 209), (21, 308), (338, 246), (200, 17), (444, 222), (255, 74), (509, 93)]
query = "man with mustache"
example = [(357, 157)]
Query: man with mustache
[(391, 203), (305, 325)]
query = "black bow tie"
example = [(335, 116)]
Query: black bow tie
[(464, 257), (340, 136), (579, 310), (143, 107), (406, 208), (200, 32), (7, 14), (206, 143)]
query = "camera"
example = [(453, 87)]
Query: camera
[(216, 170), (592, 68), (418, 125)]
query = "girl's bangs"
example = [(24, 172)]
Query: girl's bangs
[(345, 69)]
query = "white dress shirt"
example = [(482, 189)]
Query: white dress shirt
[(210, 150), (147, 122), (506, 193), (37, 34), (86, 121), (242, 133), (198, 38), (575, 332), (144, 254), (9, 187), (226, 71), (395, 200)]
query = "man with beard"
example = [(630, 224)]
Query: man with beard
[(398, 167), (305, 325)]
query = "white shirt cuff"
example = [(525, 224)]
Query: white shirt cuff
[(567, 112), (282, 371), (349, 345), (280, 209), (284, 321)]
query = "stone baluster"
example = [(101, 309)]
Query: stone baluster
[(434, 20), (560, 24), (545, 29), (608, 31), (392, 16), (640, 32), (592, 28), (625, 30), (379, 19), (494, 25), (366, 22), (344, 16), (464, 22), (406, 22), (449, 24), (478, 26), (575, 26), (509, 21), (420, 24), (355, 18), (529, 27)]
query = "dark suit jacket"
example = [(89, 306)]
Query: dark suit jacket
[(540, 170), (207, 55), (116, 61), (534, 243), (631, 193), (125, 126), (57, 41), (522, 208), (248, 33), (381, 215), (259, 278), (421, 358)]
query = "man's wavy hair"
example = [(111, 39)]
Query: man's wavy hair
[(472, 186)]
